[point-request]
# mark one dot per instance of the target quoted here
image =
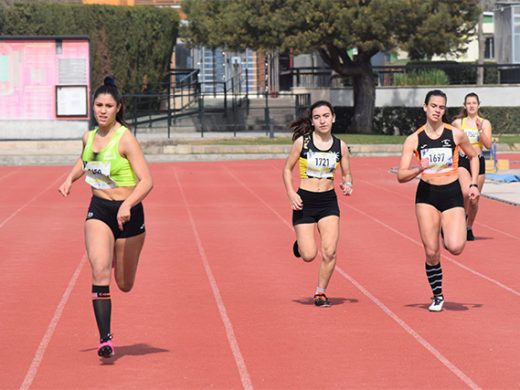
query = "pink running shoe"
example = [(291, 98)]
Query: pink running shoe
[(106, 348)]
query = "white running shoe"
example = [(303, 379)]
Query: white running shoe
[(437, 303)]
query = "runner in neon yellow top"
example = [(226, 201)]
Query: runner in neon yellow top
[(120, 179), (107, 168)]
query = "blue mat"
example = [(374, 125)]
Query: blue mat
[(503, 178)]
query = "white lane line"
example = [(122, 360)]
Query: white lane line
[(498, 231), (9, 174), (407, 328), (44, 343), (52, 185), (230, 333), (395, 193), (464, 267)]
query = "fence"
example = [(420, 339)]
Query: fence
[(184, 104), (388, 75)]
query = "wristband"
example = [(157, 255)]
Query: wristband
[(473, 185), (347, 184)]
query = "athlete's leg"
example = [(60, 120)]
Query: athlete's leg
[(472, 208), (454, 228), (306, 240), (329, 234), (465, 181), (429, 221), (99, 241), (126, 254)]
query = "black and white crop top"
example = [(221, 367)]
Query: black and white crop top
[(316, 163)]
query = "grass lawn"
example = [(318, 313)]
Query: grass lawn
[(350, 139)]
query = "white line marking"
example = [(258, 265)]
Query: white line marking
[(476, 273), (395, 193), (44, 343), (463, 377), (30, 201), (9, 174), (230, 333), (498, 230), (408, 329)]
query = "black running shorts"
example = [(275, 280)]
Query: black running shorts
[(106, 210), (316, 205), (464, 163), (442, 197)]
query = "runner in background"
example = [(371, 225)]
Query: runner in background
[(479, 132)]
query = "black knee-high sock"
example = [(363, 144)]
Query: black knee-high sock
[(102, 309), (434, 275)]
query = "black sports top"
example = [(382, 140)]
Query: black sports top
[(316, 163), (442, 153)]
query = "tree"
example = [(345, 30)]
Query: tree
[(422, 27), (127, 42)]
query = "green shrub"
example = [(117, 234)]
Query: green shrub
[(127, 42), (421, 77)]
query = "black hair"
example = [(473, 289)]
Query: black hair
[(463, 112), (109, 88), (303, 125), (437, 92)]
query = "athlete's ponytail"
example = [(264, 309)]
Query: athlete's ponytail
[(109, 87)]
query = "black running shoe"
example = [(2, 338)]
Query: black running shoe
[(469, 235), (321, 300), (295, 249)]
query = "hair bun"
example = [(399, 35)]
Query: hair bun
[(109, 80)]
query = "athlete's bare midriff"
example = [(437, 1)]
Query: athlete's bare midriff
[(316, 185), (118, 193), (440, 180)]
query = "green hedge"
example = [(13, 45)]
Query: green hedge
[(457, 72), (127, 42), (405, 120)]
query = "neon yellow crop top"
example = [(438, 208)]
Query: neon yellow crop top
[(472, 133), (107, 169)]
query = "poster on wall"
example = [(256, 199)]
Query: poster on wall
[(31, 68), (71, 101)]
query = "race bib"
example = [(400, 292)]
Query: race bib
[(98, 175), (473, 136), (321, 164), (439, 159)]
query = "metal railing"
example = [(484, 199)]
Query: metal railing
[(384, 75)]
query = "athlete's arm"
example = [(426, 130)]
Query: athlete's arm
[(457, 123), (131, 150), (76, 171), (346, 173), (486, 132), (406, 172), (462, 141), (290, 162)]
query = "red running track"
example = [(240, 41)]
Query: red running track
[(220, 302)]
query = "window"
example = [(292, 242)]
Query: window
[(489, 48)]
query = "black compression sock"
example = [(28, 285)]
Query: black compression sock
[(434, 275), (102, 309)]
